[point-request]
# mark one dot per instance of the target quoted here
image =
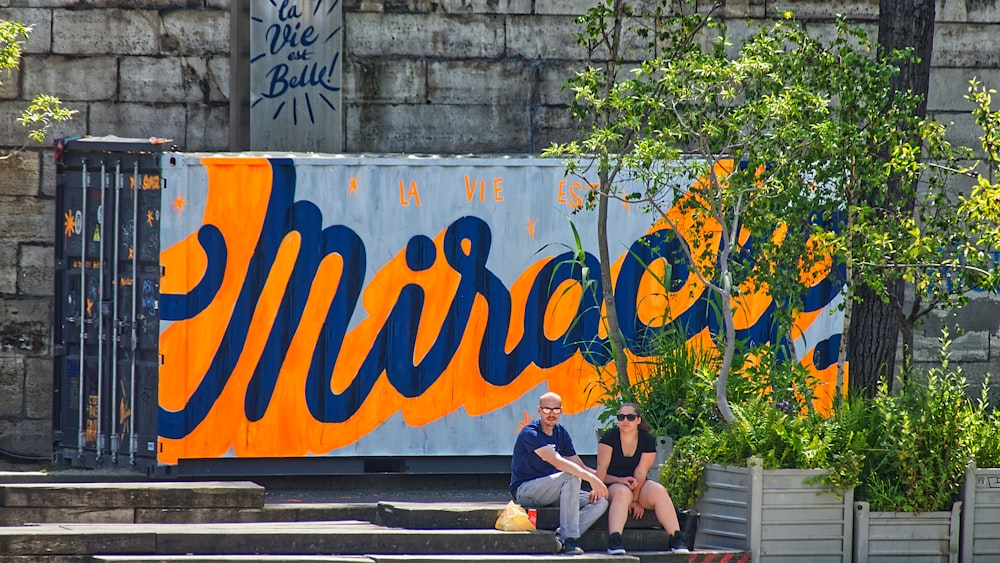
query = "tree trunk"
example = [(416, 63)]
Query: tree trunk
[(874, 332), (909, 24), (875, 327), (615, 339)]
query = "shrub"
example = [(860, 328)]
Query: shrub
[(674, 388), (777, 434), (987, 435), (904, 452), (923, 437)]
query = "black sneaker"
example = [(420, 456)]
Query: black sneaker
[(676, 543), (571, 546), (615, 545)]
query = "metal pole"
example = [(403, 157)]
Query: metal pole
[(115, 339), (99, 446), (81, 429), (133, 437)]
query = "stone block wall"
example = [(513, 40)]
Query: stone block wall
[(420, 76)]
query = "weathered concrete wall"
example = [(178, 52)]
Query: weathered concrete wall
[(427, 76)]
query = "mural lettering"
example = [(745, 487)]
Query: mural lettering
[(406, 196), (281, 344), (574, 193), (495, 192)]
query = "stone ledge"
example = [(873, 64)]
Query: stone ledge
[(134, 495)]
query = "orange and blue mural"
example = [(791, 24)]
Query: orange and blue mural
[(343, 306)]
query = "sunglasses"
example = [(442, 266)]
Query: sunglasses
[(630, 417), (551, 410)]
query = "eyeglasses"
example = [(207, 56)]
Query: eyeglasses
[(630, 417), (551, 410)]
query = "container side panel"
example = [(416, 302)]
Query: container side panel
[(392, 306)]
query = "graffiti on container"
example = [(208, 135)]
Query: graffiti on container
[(574, 194), (494, 192), (148, 182), (149, 300), (407, 196), (126, 228), (281, 344), (91, 264), (178, 203), (72, 223), (91, 423), (147, 393), (124, 411)]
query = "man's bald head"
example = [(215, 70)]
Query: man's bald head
[(550, 399)]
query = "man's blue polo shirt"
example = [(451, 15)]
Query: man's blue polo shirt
[(525, 464)]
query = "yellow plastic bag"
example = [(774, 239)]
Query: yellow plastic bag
[(513, 518)]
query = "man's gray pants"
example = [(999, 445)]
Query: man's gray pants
[(576, 513)]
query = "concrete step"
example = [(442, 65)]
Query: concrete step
[(241, 501), (283, 512), (472, 515), (434, 558), (126, 502), (297, 538), (144, 494), (234, 521), (68, 476), (16, 516), (232, 558), (301, 540), (636, 557)]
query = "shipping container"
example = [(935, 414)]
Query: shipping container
[(303, 314), (106, 326)]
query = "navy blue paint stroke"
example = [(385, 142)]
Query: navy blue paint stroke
[(177, 424), (175, 307)]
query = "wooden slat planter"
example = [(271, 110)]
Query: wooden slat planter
[(664, 446), (773, 514), (906, 537), (980, 515)]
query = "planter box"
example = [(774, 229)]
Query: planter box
[(906, 537), (664, 447), (774, 515), (980, 515)]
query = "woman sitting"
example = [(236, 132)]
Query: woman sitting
[(624, 456)]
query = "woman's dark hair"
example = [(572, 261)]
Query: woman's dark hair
[(643, 425)]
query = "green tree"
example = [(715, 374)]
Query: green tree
[(44, 110), (804, 124), (606, 28)]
